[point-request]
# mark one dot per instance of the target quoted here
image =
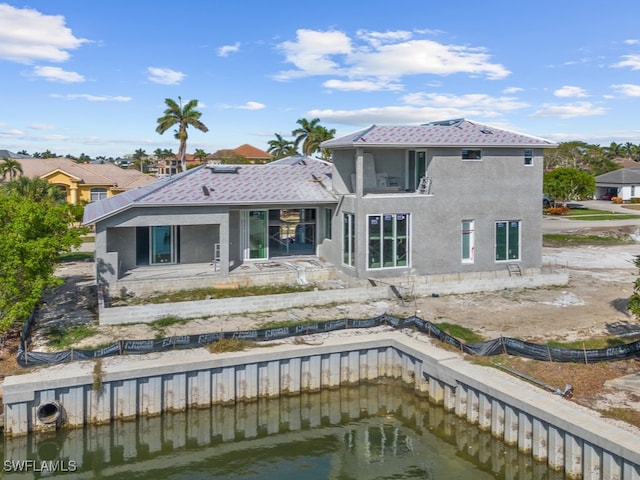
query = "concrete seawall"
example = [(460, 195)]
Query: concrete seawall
[(552, 429)]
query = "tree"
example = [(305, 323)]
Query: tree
[(280, 148), (200, 154), (303, 133), (139, 158), (183, 117), (34, 234), (11, 167), (36, 189), (311, 134), (566, 183)]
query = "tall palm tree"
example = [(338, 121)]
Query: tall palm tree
[(319, 135), (11, 167), (303, 132), (280, 148), (183, 117)]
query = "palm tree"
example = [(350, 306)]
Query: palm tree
[(36, 189), (303, 133), (281, 148), (183, 117), (200, 154), (319, 135), (11, 167), (139, 156)]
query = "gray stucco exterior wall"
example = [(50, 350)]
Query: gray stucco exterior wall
[(499, 187)]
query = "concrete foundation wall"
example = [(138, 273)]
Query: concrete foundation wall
[(439, 284), (553, 429)]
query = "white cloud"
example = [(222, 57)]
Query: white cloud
[(632, 41), (379, 38), (41, 126), (386, 115), (92, 98), (57, 74), (247, 106), (311, 51), (225, 50), (381, 57), (569, 91), (27, 35), (362, 85), (632, 61), (570, 110), (509, 90), (165, 76), (476, 101), (628, 89), (11, 133)]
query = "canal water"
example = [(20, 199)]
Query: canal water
[(377, 431)]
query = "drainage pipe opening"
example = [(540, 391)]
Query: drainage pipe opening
[(49, 412)]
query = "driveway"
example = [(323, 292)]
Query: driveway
[(557, 224)]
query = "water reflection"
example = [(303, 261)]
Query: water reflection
[(380, 431)]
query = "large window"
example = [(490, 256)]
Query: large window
[(98, 194), (387, 237), (507, 240), (468, 241), (349, 239)]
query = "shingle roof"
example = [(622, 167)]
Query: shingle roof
[(15, 156), (306, 183), (86, 173), (249, 151), (450, 133), (623, 176)]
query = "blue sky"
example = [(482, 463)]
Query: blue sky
[(91, 76)]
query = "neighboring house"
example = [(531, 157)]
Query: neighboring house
[(84, 182), (246, 151), (623, 183), (452, 197), (15, 156)]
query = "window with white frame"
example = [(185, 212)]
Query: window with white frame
[(468, 241), (387, 240), (349, 239), (528, 158), (98, 194), (471, 154), (507, 240)]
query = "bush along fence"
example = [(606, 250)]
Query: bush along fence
[(498, 346)]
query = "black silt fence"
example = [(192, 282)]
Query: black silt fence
[(498, 346)]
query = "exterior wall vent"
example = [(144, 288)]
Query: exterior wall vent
[(223, 168)]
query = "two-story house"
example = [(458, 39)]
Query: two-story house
[(444, 197), (440, 198)]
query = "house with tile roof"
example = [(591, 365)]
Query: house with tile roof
[(623, 183), (246, 151), (84, 182), (444, 198)]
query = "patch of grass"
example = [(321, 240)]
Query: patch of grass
[(215, 293), (230, 345), (285, 323), (62, 339), (568, 240), (76, 257), (459, 332), (159, 326), (606, 216), (628, 415), (590, 343)]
